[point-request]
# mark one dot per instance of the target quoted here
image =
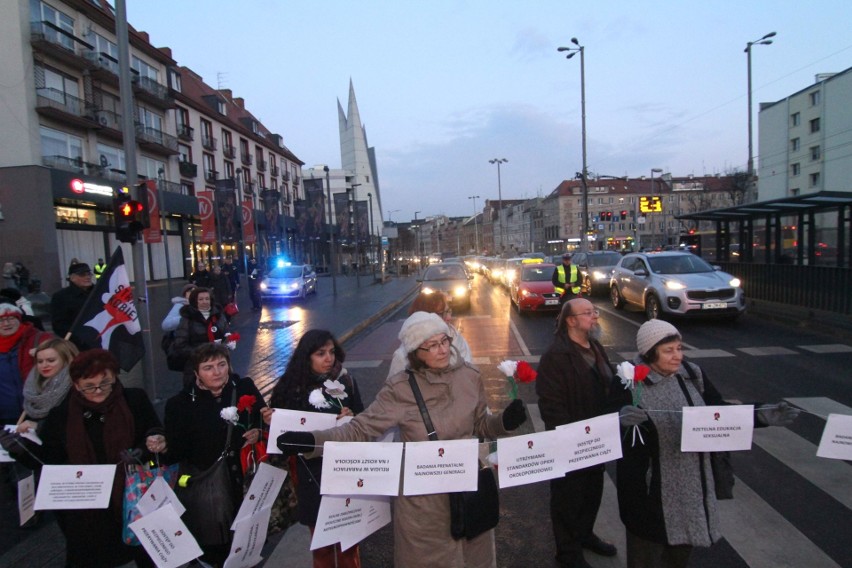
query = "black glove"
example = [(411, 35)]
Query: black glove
[(514, 415), (781, 414), (9, 441), (292, 443), (631, 416)]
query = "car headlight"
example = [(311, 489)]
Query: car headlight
[(674, 285), (263, 286), (735, 282), (460, 291), (427, 290), (598, 275), (527, 294), (294, 286)]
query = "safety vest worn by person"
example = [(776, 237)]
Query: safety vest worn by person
[(99, 270), (575, 279)]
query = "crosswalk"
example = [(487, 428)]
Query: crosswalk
[(759, 533)]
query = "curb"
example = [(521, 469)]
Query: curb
[(829, 323), (350, 333)]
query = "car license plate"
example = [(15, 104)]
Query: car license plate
[(551, 302), (715, 306)]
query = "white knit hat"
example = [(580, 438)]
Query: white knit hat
[(652, 332), (419, 327), (7, 309)]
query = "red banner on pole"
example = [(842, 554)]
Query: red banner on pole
[(153, 234), (249, 236), (208, 216)]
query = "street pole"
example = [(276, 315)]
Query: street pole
[(332, 253), (653, 226), (352, 221), (499, 161), (475, 228), (370, 248), (584, 237), (762, 41), (129, 131)]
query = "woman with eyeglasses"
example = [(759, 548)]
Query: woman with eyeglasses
[(455, 398), (99, 422)]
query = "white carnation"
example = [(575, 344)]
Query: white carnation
[(317, 399), (508, 368), (229, 414), (335, 389), (625, 371)]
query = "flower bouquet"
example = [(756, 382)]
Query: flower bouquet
[(517, 371), (251, 454), (632, 378), (331, 395)]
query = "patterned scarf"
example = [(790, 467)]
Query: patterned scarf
[(41, 395)]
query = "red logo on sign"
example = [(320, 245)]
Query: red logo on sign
[(77, 185), (246, 215), (205, 207)]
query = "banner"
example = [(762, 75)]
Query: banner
[(153, 234), (362, 221), (206, 212), (341, 217), (109, 319), (271, 213), (229, 215), (312, 218), (249, 236)]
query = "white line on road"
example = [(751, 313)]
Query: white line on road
[(518, 337), (631, 322), (830, 348)]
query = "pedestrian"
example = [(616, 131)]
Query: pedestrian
[(10, 279), (255, 275), (221, 287), (67, 303), (231, 270), (17, 341), (172, 319), (24, 304), (317, 362), (666, 497), (201, 322), (22, 276), (47, 382), (574, 378), (456, 404), (100, 268), (566, 279), (201, 277)]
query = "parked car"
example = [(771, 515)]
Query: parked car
[(289, 281), (595, 270), (677, 284), (450, 278), (533, 290)]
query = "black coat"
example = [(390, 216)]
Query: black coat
[(64, 307), (193, 330)]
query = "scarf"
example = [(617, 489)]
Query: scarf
[(119, 428), (8, 342), (41, 395)]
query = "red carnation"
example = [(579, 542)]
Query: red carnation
[(525, 373), (233, 336), (640, 372), (246, 403)]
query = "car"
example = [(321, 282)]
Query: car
[(533, 290), (451, 279), (675, 284), (286, 280), (511, 267), (595, 270)]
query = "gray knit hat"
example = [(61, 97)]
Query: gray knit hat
[(419, 327), (652, 332)]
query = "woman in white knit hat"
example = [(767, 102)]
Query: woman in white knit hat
[(456, 403), (666, 497)]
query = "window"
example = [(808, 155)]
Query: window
[(57, 87), (814, 125), (109, 157), (794, 192), (261, 182), (814, 179), (41, 12), (273, 184), (815, 98), (182, 117), (229, 170), (185, 153), (144, 69), (187, 188), (174, 80), (151, 168), (220, 106), (794, 145), (150, 119), (209, 167), (795, 169), (795, 118), (56, 143), (815, 153)]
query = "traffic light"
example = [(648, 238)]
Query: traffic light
[(623, 214), (129, 216)]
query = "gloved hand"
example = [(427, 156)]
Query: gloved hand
[(631, 416), (292, 443), (781, 414), (8, 441), (514, 415)]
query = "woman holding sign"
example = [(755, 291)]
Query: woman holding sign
[(315, 381), (666, 497), (456, 402)]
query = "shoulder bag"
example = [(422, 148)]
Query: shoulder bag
[(471, 512), (720, 462), (208, 496)]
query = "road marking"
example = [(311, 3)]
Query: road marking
[(369, 364), (518, 337), (830, 348), (633, 323), (761, 351), (689, 353), (481, 360), (819, 405)]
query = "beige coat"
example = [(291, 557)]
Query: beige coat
[(456, 401)]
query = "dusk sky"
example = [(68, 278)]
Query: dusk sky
[(444, 86)]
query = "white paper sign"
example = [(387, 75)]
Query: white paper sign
[(157, 495), (26, 498), (717, 428), (591, 442), (165, 538), (361, 468), (443, 466), (74, 487), (5, 457), (30, 434), (836, 441), (349, 520), (264, 489), (530, 458), (249, 536), (296, 421)]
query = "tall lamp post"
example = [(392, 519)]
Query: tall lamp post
[(762, 41), (354, 222), (475, 225), (654, 227), (499, 161), (417, 248), (370, 248), (584, 243), (332, 252), (390, 220)]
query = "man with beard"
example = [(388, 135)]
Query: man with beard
[(573, 384), (68, 302)]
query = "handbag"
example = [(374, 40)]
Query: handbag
[(471, 512), (137, 480), (209, 498), (231, 309), (720, 462)]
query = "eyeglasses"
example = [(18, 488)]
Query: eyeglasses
[(103, 387), (8, 319), (596, 312), (435, 347)]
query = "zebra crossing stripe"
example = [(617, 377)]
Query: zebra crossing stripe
[(535, 417), (819, 405), (830, 348)]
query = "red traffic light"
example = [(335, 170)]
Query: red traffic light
[(129, 209)]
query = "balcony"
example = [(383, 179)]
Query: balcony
[(185, 132), (104, 66), (261, 165), (286, 175), (296, 181), (76, 165), (156, 140), (149, 90), (249, 188), (170, 186), (229, 151), (208, 142), (273, 171), (52, 40), (210, 176), (246, 158), (64, 107), (110, 124), (188, 169)]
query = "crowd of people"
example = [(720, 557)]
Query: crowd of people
[(73, 398)]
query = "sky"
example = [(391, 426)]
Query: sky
[(445, 86)]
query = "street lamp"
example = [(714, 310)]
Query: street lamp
[(391, 212), (584, 174), (499, 161), (332, 255), (370, 248), (653, 227), (762, 41), (475, 226)]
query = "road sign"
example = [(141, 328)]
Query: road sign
[(651, 204)]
